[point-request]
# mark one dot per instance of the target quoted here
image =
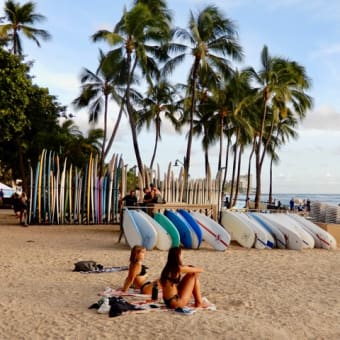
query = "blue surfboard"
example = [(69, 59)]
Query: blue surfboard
[(182, 227), (193, 224)]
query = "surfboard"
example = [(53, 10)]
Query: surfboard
[(149, 233), (280, 240), (39, 189), (169, 227), (195, 242), (164, 239), (306, 237), (132, 233), (322, 238), (193, 224), (293, 239), (30, 195), (213, 233), (263, 238), (183, 228), (239, 231), (62, 193), (88, 191), (35, 195)]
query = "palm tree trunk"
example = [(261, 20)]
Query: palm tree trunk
[(226, 169), (248, 174), (238, 176), (158, 128), (191, 123), (258, 179), (131, 116), (258, 152), (233, 173), (115, 129), (206, 162), (221, 143), (270, 198), (102, 157)]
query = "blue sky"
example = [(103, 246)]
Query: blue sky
[(307, 31)]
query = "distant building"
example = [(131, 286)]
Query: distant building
[(244, 182)]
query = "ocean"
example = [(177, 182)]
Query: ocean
[(333, 199)]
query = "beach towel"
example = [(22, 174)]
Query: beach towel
[(106, 270), (142, 303)]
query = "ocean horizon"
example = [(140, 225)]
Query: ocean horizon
[(333, 199)]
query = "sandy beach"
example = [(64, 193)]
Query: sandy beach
[(259, 294)]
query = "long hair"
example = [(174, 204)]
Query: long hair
[(172, 267), (134, 253)]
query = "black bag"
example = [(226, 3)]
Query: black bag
[(86, 266), (119, 306)]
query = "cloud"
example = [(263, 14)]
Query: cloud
[(324, 118)]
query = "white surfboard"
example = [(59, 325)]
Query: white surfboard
[(294, 241), (149, 233), (280, 240), (132, 233), (213, 233), (164, 239), (307, 238), (264, 239), (239, 231), (322, 238)]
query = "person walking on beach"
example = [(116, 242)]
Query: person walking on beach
[(177, 291), (137, 276), (23, 209), (291, 204), (16, 204)]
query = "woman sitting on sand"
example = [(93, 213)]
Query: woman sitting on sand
[(136, 277), (177, 292)]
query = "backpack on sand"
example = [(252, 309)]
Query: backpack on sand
[(86, 266)]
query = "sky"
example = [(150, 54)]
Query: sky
[(306, 31)]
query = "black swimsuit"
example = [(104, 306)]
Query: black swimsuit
[(175, 281), (142, 273), (143, 270)]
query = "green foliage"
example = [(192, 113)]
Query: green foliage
[(14, 96)]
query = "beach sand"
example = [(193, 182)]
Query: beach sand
[(259, 294)]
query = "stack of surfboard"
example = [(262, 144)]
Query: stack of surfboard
[(62, 194), (285, 231), (173, 228)]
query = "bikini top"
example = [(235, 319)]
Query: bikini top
[(143, 270)]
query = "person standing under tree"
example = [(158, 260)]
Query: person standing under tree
[(1, 197)]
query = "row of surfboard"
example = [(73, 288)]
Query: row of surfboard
[(281, 230), (60, 193), (172, 229), (248, 229)]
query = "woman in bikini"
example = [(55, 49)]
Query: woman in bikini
[(137, 277), (177, 291)]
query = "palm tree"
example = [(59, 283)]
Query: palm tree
[(283, 131), (97, 89), (130, 37), (282, 84), (21, 19), (160, 101), (212, 37)]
